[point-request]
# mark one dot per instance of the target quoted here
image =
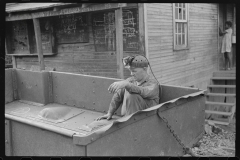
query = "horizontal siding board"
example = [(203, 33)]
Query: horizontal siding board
[(166, 20), (203, 20), (184, 75), (159, 5), (200, 8), (158, 44), (172, 60), (196, 48), (164, 67), (183, 80), (160, 27), (162, 34), (200, 25), (159, 22), (169, 68), (171, 57), (166, 53), (168, 72)]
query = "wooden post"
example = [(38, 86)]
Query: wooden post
[(7, 53), (14, 62), (119, 42), (146, 33), (141, 29), (39, 43), (218, 51), (234, 37)]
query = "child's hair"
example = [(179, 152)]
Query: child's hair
[(229, 23)]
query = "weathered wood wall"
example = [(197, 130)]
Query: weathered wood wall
[(77, 58), (193, 66), (84, 58)]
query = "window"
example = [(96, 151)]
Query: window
[(180, 25), (21, 41)]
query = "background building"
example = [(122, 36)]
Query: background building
[(180, 40)]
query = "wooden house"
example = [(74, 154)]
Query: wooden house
[(181, 40)]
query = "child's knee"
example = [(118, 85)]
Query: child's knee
[(133, 97)]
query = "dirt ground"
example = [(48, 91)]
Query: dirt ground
[(218, 141)]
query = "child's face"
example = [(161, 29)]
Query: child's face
[(226, 26), (137, 73)]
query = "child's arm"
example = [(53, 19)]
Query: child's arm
[(221, 33)]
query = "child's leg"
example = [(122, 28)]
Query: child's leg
[(225, 60), (229, 59)]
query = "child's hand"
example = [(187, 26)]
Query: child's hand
[(220, 32), (106, 116), (117, 85)]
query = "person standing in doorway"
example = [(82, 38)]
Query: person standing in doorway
[(227, 45)]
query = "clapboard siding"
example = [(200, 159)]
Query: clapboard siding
[(185, 65), (193, 66), (186, 73), (178, 62)]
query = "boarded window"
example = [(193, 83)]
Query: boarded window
[(21, 38), (71, 28), (104, 31), (130, 30), (46, 33), (180, 23), (18, 37)]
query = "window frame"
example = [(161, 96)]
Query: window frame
[(29, 34), (175, 21)]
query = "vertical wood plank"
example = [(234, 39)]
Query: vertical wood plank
[(218, 65), (173, 24), (188, 25), (234, 19), (8, 38), (14, 62), (39, 43), (119, 41), (141, 29), (7, 52), (8, 138), (146, 33)]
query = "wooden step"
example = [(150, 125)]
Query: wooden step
[(217, 122), (218, 112), (221, 86), (231, 73), (221, 94), (223, 78), (219, 103)]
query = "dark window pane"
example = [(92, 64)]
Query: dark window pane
[(176, 27), (176, 13), (179, 27), (180, 13), (179, 39), (184, 14), (183, 28)]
